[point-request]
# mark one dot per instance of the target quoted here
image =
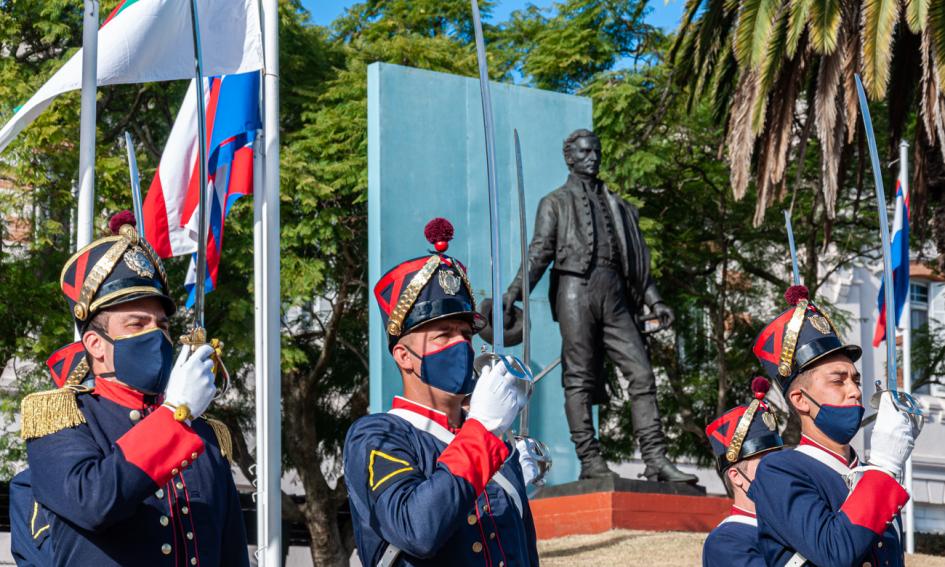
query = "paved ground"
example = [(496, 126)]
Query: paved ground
[(632, 548)]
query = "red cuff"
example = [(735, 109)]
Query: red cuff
[(875, 501), (160, 446), (475, 454)]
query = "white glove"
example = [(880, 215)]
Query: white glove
[(497, 399), (526, 458), (893, 437), (192, 381)]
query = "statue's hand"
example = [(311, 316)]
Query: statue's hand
[(509, 298), (664, 313)]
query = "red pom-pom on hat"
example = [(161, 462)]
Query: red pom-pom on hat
[(120, 219), (439, 232), (760, 386), (795, 294)]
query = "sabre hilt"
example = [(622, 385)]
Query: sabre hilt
[(903, 401), (197, 337)]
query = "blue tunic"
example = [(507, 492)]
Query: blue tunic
[(29, 527), (409, 489), (132, 486), (805, 506), (733, 543)]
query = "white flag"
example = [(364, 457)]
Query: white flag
[(147, 41)]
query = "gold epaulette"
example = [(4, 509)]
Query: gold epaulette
[(45, 413), (224, 437)]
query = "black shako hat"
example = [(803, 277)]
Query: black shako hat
[(745, 431), (798, 338), (426, 289)]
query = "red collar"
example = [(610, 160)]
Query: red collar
[(805, 440), (736, 511), (436, 415), (124, 395)]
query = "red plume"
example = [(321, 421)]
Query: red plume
[(795, 294), (119, 220), (760, 386), (439, 232)]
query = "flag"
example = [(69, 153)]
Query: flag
[(900, 266), (145, 41), (233, 118)]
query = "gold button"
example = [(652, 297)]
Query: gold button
[(179, 485), (193, 456), (477, 547), (190, 535), (159, 493), (471, 519), (164, 521), (485, 508), (492, 535), (880, 544), (183, 464), (184, 509), (166, 549), (134, 415), (174, 472), (193, 560), (501, 563)]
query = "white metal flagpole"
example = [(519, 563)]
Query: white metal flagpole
[(86, 201), (906, 326), (269, 431)]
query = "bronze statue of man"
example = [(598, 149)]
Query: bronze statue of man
[(600, 282)]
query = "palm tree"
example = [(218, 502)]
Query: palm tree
[(780, 71)]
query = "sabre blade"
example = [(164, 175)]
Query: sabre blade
[(201, 212), (903, 401), (498, 342), (135, 178), (526, 310), (790, 238)]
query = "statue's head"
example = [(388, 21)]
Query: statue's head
[(582, 153)]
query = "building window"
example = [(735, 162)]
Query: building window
[(919, 316), (919, 295)]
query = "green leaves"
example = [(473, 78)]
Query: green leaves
[(879, 18), (755, 20), (824, 25)]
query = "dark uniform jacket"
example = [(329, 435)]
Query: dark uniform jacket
[(734, 542), (564, 234), (806, 507), (432, 501), (29, 526), (132, 486)]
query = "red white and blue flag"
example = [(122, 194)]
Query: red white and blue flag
[(233, 119), (900, 266)]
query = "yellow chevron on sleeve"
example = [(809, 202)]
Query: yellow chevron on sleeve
[(375, 454)]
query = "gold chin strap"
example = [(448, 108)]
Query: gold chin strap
[(409, 296), (741, 430), (790, 338)]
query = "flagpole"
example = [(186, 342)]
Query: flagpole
[(906, 322), (269, 439), (86, 200)]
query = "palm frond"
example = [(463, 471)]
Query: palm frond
[(824, 25), (770, 66), (879, 19), (692, 6), (829, 132), (850, 52), (755, 19), (797, 21), (741, 138), (917, 13), (936, 29)]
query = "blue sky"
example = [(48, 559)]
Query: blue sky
[(664, 13)]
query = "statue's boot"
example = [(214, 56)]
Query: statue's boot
[(596, 467), (662, 470)]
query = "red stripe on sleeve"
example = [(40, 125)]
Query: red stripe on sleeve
[(475, 454), (159, 445), (875, 501)]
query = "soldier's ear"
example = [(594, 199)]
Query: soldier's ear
[(402, 358), (94, 345), (798, 401)]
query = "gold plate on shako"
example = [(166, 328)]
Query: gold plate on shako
[(769, 420), (449, 281), (139, 263), (820, 324)]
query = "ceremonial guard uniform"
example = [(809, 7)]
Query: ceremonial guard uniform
[(741, 433), (125, 480), (422, 492), (814, 507)]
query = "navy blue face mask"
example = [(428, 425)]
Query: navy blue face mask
[(449, 369), (143, 360), (840, 423)]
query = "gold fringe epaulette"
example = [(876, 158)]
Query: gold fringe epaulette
[(224, 437), (45, 413)]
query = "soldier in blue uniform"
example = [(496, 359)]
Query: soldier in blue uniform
[(428, 484), (816, 504), (739, 439), (128, 471)]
